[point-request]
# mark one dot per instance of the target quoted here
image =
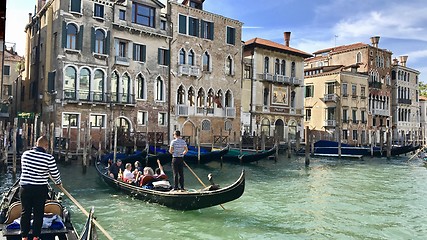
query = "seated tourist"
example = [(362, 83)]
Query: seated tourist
[(128, 174), (114, 169), (147, 177), (160, 174)]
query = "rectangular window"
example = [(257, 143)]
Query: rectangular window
[(139, 52), (75, 6), (193, 28), (162, 119), (362, 116), (207, 30), (309, 91), (330, 88), (142, 118), (98, 10), (163, 57), (122, 14), (70, 119), (97, 120), (6, 70), (182, 24), (162, 24), (362, 91), (353, 90), (308, 114), (345, 134), (7, 90), (354, 114), (143, 15), (354, 135), (344, 90), (122, 49), (231, 35), (248, 72), (344, 116)]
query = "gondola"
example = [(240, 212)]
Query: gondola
[(10, 210), (190, 157), (247, 155), (188, 200)]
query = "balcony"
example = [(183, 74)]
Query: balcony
[(181, 110), (330, 123), (266, 77), (404, 101), (281, 79), (188, 70), (375, 85), (122, 61), (230, 112), (380, 112), (330, 97), (295, 81)]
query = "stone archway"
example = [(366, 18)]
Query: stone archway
[(280, 129)]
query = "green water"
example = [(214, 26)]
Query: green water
[(331, 199)]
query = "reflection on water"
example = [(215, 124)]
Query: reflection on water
[(330, 199)]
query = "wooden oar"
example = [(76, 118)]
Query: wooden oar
[(191, 170), (83, 210), (416, 153)]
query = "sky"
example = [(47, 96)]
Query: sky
[(314, 24)]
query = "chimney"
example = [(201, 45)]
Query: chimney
[(30, 17), (403, 60), (287, 36), (375, 40), (395, 61)]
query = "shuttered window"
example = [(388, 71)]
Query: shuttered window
[(182, 24)]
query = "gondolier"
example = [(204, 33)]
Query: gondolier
[(36, 165), (178, 148)]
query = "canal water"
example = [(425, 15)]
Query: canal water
[(330, 199)]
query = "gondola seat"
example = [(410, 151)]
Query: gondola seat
[(15, 209)]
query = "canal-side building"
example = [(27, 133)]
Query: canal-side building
[(4, 105), (336, 102), (205, 86), (272, 93), (423, 119), (405, 103), (99, 64), (12, 70), (374, 62)]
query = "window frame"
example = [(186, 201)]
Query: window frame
[(96, 8), (103, 116), (151, 17), (75, 114)]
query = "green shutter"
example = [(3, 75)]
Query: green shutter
[(167, 53), (159, 56), (233, 36), (211, 26), (107, 43), (182, 24), (134, 52), (51, 82), (197, 26), (92, 40), (144, 50), (64, 34), (75, 5), (202, 28), (80, 38)]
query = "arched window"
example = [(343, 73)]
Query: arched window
[(266, 94), (228, 125), (141, 89), (114, 87), (283, 68), (100, 41), (160, 93), (359, 57), (180, 96), (182, 56), (98, 86), (191, 58), (210, 102), (293, 70), (84, 84), (206, 125), (201, 98), (126, 98), (191, 96), (229, 66), (70, 78), (218, 99), (277, 66), (266, 64), (71, 36), (228, 99), (265, 127), (206, 62)]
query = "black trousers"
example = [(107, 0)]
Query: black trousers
[(178, 172), (33, 198)]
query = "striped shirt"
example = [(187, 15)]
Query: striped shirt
[(178, 145), (36, 165)]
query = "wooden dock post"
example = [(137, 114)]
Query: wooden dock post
[(289, 145), (235, 139), (67, 145), (115, 144), (388, 143), (276, 144), (14, 134), (198, 144), (263, 138), (307, 145)]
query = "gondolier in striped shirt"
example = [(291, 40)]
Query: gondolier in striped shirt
[(178, 148), (36, 166)]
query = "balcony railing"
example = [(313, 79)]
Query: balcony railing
[(330, 123), (266, 77), (404, 101), (230, 112), (97, 97), (380, 112), (122, 61), (281, 79), (295, 81), (189, 70), (181, 110), (331, 97)]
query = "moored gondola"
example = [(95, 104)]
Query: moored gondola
[(247, 155), (175, 199), (61, 226)]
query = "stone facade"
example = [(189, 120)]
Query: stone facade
[(406, 103), (206, 56)]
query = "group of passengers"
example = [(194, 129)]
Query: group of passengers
[(143, 177)]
